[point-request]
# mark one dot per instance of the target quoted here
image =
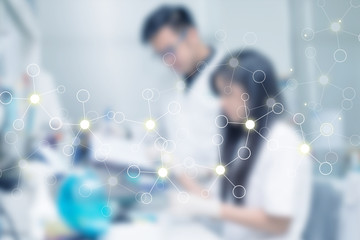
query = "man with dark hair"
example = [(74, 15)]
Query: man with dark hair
[(172, 33)]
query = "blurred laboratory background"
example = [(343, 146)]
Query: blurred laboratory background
[(93, 49)]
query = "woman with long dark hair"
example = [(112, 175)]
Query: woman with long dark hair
[(264, 177)]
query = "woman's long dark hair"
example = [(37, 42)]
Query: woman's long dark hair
[(248, 71)]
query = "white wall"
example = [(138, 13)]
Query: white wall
[(94, 44)]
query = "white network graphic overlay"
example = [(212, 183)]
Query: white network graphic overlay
[(166, 146)]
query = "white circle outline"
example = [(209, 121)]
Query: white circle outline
[(220, 38), (176, 105), (145, 93), (79, 97), (324, 132), (239, 186), (221, 116), (37, 70), (253, 76), (348, 107), (214, 140), (347, 89), (11, 97), (122, 119), (81, 193), (337, 51), (18, 121), (133, 176), (275, 105), (246, 35), (71, 148), (55, 119), (249, 153), (321, 171), (311, 31), (108, 208), (172, 62), (146, 194)]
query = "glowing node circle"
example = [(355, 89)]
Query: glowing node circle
[(35, 98), (84, 124), (150, 124), (162, 172), (304, 148), (220, 170), (250, 124)]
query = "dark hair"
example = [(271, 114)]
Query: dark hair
[(176, 17), (248, 69)]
